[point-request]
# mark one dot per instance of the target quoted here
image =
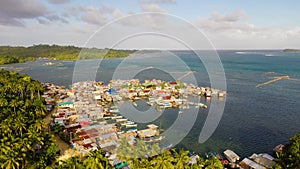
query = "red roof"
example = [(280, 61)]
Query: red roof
[(167, 97)]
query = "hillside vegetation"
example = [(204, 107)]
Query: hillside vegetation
[(9, 54)]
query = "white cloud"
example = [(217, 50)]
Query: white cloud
[(58, 1), (152, 8), (13, 12), (233, 30), (93, 15), (163, 1), (231, 21)]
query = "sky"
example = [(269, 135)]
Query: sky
[(171, 24)]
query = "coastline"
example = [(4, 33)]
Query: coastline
[(112, 113)]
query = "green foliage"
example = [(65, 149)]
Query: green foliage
[(143, 155), (23, 141), (94, 160), (290, 157), (10, 54), (57, 128)]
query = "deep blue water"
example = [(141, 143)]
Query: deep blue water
[(254, 120)]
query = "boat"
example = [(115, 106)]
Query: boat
[(208, 93), (202, 105), (222, 94), (134, 103), (52, 63), (131, 125), (129, 122), (150, 103), (121, 120), (114, 111), (116, 117)]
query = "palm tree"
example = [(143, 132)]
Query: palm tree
[(19, 124), (20, 88), (6, 126), (213, 163), (40, 108), (3, 102), (14, 104), (39, 124), (163, 161), (155, 150), (96, 160), (124, 150), (94, 163), (181, 158), (10, 163), (73, 163), (31, 88), (200, 162)]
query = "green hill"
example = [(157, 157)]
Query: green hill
[(9, 54)]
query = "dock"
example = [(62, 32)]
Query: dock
[(185, 75), (273, 81)]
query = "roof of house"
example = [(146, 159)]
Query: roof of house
[(252, 164), (64, 103), (231, 155)]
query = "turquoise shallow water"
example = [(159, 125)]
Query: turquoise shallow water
[(254, 120)]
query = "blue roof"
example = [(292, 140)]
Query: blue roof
[(63, 103), (111, 91)]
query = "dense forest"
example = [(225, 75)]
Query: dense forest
[(24, 143), (9, 54)]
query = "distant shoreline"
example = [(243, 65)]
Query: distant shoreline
[(291, 50)]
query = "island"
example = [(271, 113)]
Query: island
[(19, 54), (291, 50)]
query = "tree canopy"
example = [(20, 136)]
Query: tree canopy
[(9, 54), (23, 141), (290, 156)]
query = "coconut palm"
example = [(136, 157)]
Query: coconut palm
[(181, 158), (163, 161), (10, 163), (73, 163), (14, 104), (96, 160), (213, 163), (3, 102), (19, 124)]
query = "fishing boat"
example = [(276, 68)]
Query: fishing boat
[(208, 93), (116, 117), (121, 120), (150, 103), (202, 105), (134, 103), (129, 122), (114, 111), (131, 125)]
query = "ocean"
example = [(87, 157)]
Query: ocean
[(255, 120)]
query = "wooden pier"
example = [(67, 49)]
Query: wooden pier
[(274, 80), (188, 73)]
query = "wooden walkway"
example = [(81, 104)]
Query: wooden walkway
[(274, 80), (188, 73)]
